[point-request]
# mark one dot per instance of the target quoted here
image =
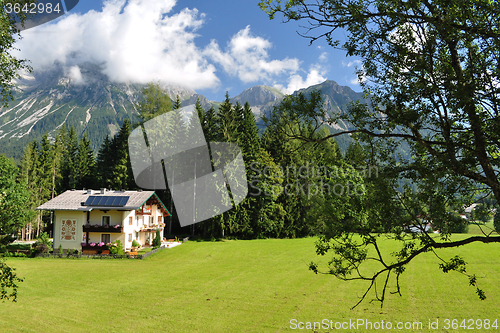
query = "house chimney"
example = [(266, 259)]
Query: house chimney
[(103, 190), (89, 191)]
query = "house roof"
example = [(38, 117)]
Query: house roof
[(76, 200)]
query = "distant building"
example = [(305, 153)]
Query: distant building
[(85, 219), (469, 209)]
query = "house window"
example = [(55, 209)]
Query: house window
[(159, 219), (138, 219), (151, 221), (136, 235), (106, 238), (106, 220), (130, 220), (129, 237)]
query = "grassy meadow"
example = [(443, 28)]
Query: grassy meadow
[(237, 286)]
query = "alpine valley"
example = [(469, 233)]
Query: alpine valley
[(91, 103)]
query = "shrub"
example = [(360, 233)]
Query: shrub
[(15, 254), (496, 222), (115, 247), (458, 224), (43, 244), (135, 243), (157, 240)]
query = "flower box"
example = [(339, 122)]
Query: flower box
[(103, 228)]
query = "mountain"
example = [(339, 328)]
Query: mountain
[(260, 98), (85, 98)]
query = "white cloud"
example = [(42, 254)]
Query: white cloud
[(75, 75), (135, 40), (247, 58), (354, 63), (296, 82), (141, 41), (358, 65)]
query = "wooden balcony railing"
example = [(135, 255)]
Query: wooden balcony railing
[(102, 228)]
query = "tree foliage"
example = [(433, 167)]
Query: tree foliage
[(154, 102), (15, 212), (431, 72), (15, 200), (10, 66)]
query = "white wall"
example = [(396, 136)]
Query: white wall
[(59, 238)]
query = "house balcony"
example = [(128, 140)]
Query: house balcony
[(103, 228), (152, 228)]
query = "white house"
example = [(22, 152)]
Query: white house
[(84, 219)]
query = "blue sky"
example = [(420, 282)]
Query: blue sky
[(208, 46)]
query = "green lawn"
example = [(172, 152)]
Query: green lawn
[(235, 286), (476, 227)]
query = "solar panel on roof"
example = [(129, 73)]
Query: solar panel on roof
[(105, 200)]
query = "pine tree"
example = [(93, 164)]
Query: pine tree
[(226, 121), (355, 155), (210, 125), (103, 164), (249, 139), (85, 161), (121, 174), (62, 142), (177, 104), (70, 169)]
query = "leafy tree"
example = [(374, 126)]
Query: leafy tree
[(482, 213), (14, 214), (14, 201), (154, 102), (10, 66), (30, 175), (304, 164), (10, 193), (461, 225), (496, 222), (9, 282), (431, 71)]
